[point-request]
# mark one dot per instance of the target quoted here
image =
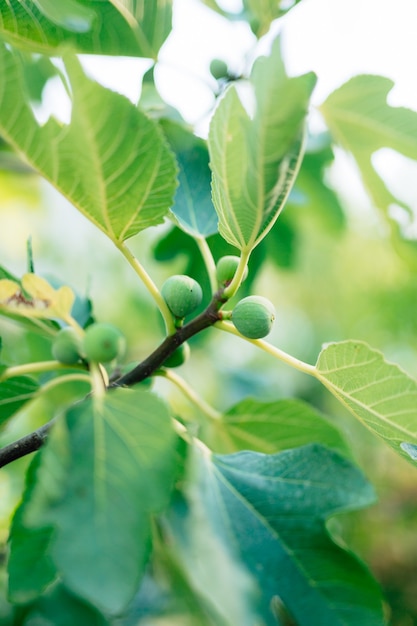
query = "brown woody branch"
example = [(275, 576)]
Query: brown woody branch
[(33, 441)]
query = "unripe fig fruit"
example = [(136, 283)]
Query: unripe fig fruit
[(182, 294), (178, 357), (66, 346), (226, 269), (103, 343), (253, 316), (218, 69)]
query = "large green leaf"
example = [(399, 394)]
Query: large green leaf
[(193, 206), (379, 394), (115, 27), (30, 567), (200, 558), (272, 426), (120, 176), (255, 160), (104, 470), (272, 509), (362, 121)]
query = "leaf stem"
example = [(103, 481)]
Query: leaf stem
[(149, 284), (231, 289), (179, 382), (184, 433), (99, 379), (306, 368), (37, 368), (209, 262)]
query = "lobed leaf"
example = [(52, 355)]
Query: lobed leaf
[(380, 394), (122, 176), (362, 121), (104, 470), (272, 509), (136, 28), (255, 160)]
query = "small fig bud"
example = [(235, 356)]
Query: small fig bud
[(226, 269), (103, 343), (66, 346), (218, 69), (178, 357), (182, 294), (253, 316)]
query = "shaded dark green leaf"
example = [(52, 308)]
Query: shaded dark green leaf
[(30, 565), (193, 206), (271, 511)]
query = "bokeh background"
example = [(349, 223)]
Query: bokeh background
[(333, 269)]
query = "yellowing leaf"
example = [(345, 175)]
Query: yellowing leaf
[(44, 301), (8, 289), (38, 288)]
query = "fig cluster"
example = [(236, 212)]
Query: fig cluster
[(101, 343), (253, 317), (182, 294)]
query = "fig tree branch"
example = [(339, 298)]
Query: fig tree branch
[(33, 441), (25, 445)]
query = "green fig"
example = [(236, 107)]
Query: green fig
[(226, 269), (218, 69), (66, 346), (178, 357), (182, 294), (253, 317), (103, 343)]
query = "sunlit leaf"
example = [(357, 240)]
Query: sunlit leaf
[(122, 176), (113, 27), (272, 510), (105, 469), (272, 426), (69, 14), (255, 159), (380, 394), (362, 121)]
